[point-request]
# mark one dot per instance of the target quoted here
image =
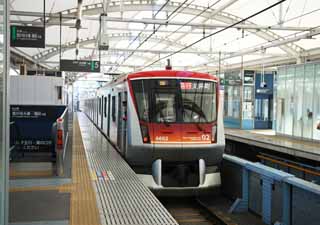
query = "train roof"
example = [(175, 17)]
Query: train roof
[(162, 74), (171, 73)]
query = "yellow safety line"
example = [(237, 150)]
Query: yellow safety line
[(83, 207)]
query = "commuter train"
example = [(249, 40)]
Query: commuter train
[(168, 126)]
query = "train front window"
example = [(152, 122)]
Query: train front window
[(165, 107), (198, 101), (175, 101), (141, 92)]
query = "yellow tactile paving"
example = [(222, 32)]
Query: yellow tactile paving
[(83, 206), (84, 210)]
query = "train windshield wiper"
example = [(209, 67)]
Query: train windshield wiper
[(162, 117)]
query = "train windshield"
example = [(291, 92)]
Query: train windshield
[(198, 101), (175, 101)]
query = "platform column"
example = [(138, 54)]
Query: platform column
[(267, 199), (4, 111), (286, 203), (242, 205)]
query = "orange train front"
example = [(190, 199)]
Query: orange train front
[(168, 125)]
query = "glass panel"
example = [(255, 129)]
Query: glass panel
[(3, 134), (281, 89), (232, 102), (316, 102), (297, 101), (141, 92), (165, 108), (289, 103), (164, 102), (199, 101), (307, 110), (196, 98)]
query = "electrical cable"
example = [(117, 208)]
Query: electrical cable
[(276, 39), (304, 7), (140, 33), (217, 32), (147, 38), (199, 14)]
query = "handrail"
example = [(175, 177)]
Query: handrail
[(64, 112), (61, 136), (269, 176)]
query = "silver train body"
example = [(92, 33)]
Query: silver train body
[(170, 149)]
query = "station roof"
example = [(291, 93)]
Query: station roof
[(143, 34)]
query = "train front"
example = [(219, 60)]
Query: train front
[(176, 135)]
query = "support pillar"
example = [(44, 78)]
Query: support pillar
[(267, 199)]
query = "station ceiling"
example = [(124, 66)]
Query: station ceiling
[(143, 34)]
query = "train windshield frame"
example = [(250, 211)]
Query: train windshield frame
[(175, 100)]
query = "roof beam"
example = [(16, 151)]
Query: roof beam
[(172, 23), (154, 51), (220, 9), (48, 53), (273, 44)]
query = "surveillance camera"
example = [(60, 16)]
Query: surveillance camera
[(263, 85)]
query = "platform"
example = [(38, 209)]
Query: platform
[(122, 198), (269, 140)]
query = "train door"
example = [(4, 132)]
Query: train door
[(102, 111), (124, 123), (108, 118), (105, 112), (121, 123), (97, 108)]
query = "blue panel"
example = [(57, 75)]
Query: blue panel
[(247, 124), (231, 123), (32, 129), (268, 79)]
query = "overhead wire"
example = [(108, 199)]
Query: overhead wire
[(199, 14), (215, 33), (278, 39), (156, 29), (304, 7), (194, 17), (140, 33), (281, 37)]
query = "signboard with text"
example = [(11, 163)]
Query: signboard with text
[(27, 36), (32, 127), (80, 66)]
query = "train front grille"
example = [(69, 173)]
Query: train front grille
[(180, 175)]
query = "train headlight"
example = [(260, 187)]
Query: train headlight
[(214, 134), (145, 133)]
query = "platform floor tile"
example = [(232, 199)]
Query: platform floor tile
[(124, 199)]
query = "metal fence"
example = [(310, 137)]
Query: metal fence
[(277, 196)]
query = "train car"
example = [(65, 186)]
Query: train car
[(168, 125)]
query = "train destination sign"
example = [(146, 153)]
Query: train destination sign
[(27, 36), (80, 66)]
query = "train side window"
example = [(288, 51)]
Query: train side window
[(100, 106), (59, 89), (113, 109), (105, 106)]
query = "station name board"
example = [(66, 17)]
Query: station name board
[(80, 66), (27, 36)]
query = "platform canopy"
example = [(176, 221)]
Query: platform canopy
[(200, 35)]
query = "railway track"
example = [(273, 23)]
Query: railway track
[(189, 211)]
